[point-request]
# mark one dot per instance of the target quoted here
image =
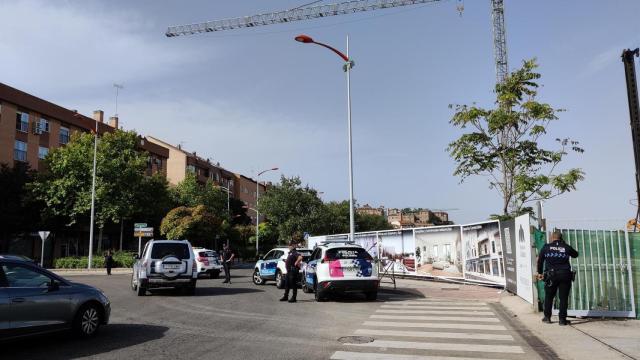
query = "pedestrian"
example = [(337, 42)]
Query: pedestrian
[(108, 261), (557, 275), (227, 259), (292, 264)]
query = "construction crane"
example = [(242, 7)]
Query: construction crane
[(344, 8), (634, 114)]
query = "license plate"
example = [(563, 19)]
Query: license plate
[(172, 267)]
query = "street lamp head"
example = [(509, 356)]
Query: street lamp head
[(275, 168), (304, 39)]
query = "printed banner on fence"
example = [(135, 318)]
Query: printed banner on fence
[(439, 251), (508, 231), (523, 258), (482, 251), (397, 249)]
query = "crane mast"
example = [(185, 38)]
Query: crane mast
[(499, 40), (344, 8)]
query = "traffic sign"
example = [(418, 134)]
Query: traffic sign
[(139, 225), (43, 235), (143, 232)]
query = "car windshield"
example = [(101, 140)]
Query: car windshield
[(179, 250), (211, 254), (348, 253)]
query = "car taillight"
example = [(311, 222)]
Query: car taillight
[(203, 260)]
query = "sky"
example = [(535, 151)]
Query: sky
[(254, 99)]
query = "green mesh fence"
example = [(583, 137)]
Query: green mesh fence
[(634, 245), (603, 284)]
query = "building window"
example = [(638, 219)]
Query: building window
[(22, 121), (20, 151), (64, 135), (191, 168), (42, 152), (159, 163), (42, 126)]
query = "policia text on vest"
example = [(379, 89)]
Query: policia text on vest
[(557, 275)]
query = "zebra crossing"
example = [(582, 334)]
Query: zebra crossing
[(434, 329)]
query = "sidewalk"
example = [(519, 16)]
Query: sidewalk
[(609, 339), (98, 271)]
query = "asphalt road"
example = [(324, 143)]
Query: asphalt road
[(244, 321)]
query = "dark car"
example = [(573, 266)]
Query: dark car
[(34, 300)]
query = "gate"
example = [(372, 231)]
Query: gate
[(603, 284)]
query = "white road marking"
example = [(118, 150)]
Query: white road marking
[(348, 355), (396, 324), (435, 318), (505, 349), (445, 303), (430, 307), (435, 334), (435, 312)]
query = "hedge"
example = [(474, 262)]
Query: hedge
[(120, 259)]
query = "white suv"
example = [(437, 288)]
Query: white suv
[(208, 262), (272, 267), (165, 263), (340, 267)]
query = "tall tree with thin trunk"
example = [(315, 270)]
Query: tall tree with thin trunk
[(504, 144)]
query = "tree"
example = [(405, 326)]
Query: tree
[(190, 193), (504, 144), (292, 208), (370, 222), (196, 224), (18, 215), (66, 187), (337, 219)]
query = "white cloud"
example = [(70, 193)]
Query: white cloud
[(52, 45), (602, 60)]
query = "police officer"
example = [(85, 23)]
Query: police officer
[(227, 259), (557, 275), (293, 269)]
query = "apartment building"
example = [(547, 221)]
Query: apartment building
[(30, 127), (181, 162), (367, 209)]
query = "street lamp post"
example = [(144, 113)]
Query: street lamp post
[(348, 65), (257, 213), (93, 198)]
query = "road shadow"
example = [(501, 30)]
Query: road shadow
[(206, 291), (65, 345)]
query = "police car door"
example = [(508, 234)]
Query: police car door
[(269, 265), (310, 269)]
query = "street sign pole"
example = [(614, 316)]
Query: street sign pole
[(141, 230), (43, 235)]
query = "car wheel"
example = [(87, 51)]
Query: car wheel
[(134, 287), (87, 320), (318, 294), (279, 280), (257, 279), (141, 290), (214, 274), (371, 295)]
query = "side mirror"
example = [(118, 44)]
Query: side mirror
[(53, 286)]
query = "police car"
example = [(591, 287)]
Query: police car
[(271, 266), (340, 267)]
